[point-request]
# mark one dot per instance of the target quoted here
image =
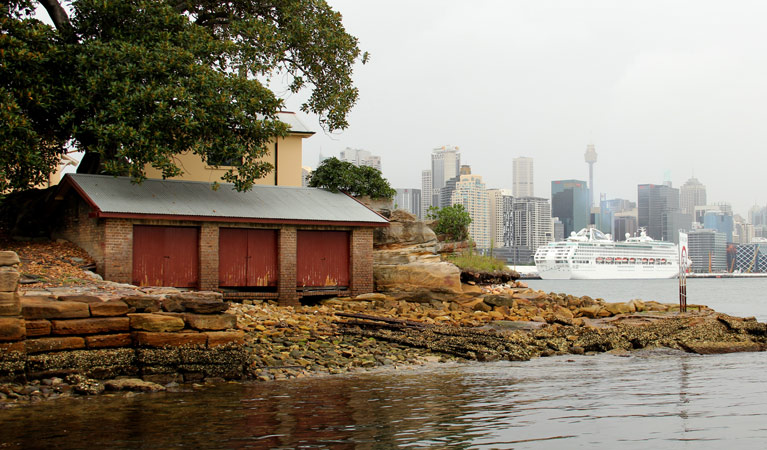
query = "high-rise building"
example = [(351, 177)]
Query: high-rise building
[(708, 251), (409, 200), (522, 177), (426, 192), (609, 210), (532, 224), (721, 222), (508, 220), (471, 193), (624, 224), (306, 172), (360, 157), (570, 203), (497, 215), (691, 194), (591, 158), (659, 213), (445, 164)]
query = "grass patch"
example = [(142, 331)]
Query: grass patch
[(475, 262)]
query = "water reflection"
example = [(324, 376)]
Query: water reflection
[(648, 400)]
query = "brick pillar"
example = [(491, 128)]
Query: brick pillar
[(118, 250), (286, 286), (208, 257), (362, 261), (12, 326)]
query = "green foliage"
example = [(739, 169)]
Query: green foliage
[(336, 175), (139, 81), (470, 261), (452, 221)]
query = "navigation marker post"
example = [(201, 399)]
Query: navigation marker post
[(682, 272)]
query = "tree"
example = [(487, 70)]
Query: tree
[(136, 82), (452, 221), (336, 175)]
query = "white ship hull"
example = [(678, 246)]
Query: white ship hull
[(587, 256)]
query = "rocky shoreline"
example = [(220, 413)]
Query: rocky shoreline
[(505, 322)]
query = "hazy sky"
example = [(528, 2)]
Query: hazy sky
[(662, 88)]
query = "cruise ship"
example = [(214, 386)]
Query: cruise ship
[(592, 255)]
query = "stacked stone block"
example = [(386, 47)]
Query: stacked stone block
[(12, 329), (173, 337)]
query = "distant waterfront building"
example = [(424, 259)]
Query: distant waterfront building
[(708, 251), (558, 229), (522, 177), (306, 171), (445, 164), (570, 203), (471, 193), (658, 212), (410, 201), (624, 224), (743, 232), (426, 192), (752, 257), (498, 215), (609, 210), (532, 226), (508, 220), (360, 157), (691, 194), (719, 221)]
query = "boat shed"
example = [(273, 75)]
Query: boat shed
[(272, 242)]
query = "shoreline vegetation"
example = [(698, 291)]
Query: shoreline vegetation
[(506, 321)]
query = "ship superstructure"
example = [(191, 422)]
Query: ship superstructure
[(590, 254)]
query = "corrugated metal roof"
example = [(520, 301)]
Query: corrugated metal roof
[(190, 198)]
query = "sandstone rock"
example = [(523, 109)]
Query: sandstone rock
[(155, 322), (401, 234), (439, 277), (619, 308), (34, 307), (372, 296), (94, 325), (591, 312), (12, 329), (38, 327), (534, 295), (197, 295), (709, 348), (205, 305), (50, 344), (520, 284), (160, 340), (109, 309), (637, 304), (498, 300), (172, 305), (10, 304), (132, 384), (218, 338), (8, 258), (80, 298), (109, 340), (9, 279), (210, 322), (143, 303)]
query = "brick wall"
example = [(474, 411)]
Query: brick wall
[(286, 249), (361, 261), (118, 250), (81, 229), (209, 256)]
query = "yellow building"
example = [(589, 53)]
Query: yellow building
[(285, 154)]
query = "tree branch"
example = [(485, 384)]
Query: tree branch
[(57, 13)]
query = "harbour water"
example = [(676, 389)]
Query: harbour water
[(644, 400)]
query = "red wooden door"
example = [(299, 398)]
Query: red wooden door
[(247, 258), (166, 256), (322, 258)]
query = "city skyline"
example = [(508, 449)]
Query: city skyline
[(664, 91)]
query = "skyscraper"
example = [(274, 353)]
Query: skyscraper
[(498, 215), (522, 177), (445, 164), (426, 192), (658, 212), (691, 194), (470, 192), (532, 223), (410, 201), (569, 202)]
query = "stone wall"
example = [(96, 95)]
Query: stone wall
[(173, 337)]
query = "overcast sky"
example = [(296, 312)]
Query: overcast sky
[(661, 88)]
